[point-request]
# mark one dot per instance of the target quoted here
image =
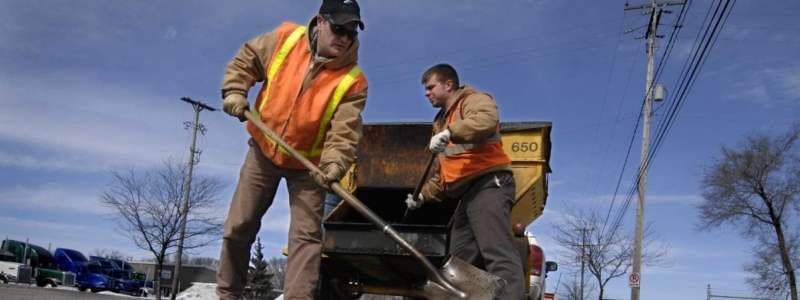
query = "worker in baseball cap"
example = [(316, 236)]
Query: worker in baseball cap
[(312, 96)]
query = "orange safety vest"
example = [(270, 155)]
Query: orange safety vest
[(300, 119), (463, 160)]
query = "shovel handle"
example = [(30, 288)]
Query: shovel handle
[(360, 207), (421, 182)]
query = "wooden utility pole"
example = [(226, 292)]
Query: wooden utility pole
[(583, 257), (655, 15), (196, 125)]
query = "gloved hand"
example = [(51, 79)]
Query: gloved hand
[(331, 172), (235, 104), (439, 141), (412, 203)]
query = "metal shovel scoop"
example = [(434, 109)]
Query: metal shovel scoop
[(457, 278)]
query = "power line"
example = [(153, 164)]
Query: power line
[(610, 76), (662, 62), (689, 76)]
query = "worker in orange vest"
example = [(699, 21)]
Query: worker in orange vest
[(312, 96), (473, 168)]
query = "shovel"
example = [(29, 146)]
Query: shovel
[(457, 278), (420, 183)]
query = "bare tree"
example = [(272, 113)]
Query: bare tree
[(204, 261), (108, 253), (277, 266), (571, 288), (767, 276), (754, 187), (606, 254), (147, 208)]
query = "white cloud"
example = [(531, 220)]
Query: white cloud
[(46, 198), (170, 33), (602, 201), (768, 86), (34, 223), (276, 221), (791, 83), (674, 199), (23, 160), (75, 125)]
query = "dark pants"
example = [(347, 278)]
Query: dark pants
[(481, 232), (258, 182)]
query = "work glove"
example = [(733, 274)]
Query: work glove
[(331, 172), (412, 203), (235, 104), (439, 141)]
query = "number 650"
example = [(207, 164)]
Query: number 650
[(524, 147)]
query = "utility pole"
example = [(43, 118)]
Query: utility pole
[(708, 292), (583, 257), (197, 126), (655, 15)]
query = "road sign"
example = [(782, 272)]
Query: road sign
[(633, 280)]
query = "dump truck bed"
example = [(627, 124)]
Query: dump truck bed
[(391, 159)]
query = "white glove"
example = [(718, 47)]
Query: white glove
[(413, 204), (439, 141)]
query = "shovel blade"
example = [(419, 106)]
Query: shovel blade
[(476, 283)]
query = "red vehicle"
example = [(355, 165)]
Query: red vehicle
[(539, 268)]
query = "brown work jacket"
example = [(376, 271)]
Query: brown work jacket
[(477, 122), (250, 66)]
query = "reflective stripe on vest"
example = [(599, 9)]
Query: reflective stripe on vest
[(277, 61), (453, 149), (463, 160), (342, 87), (338, 94)]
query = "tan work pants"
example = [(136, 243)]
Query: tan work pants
[(258, 182)]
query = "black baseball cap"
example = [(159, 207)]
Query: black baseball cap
[(342, 11)]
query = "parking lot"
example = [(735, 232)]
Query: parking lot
[(25, 292)]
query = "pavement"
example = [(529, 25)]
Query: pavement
[(26, 292)]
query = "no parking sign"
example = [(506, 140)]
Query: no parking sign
[(633, 280)]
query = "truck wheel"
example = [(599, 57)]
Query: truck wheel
[(82, 288), (94, 290), (50, 284)]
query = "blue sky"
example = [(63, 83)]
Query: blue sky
[(93, 86)]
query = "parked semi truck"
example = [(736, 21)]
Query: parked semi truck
[(43, 270), (89, 275), (124, 281), (359, 258), (137, 278)]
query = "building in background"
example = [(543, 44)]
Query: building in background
[(189, 274)]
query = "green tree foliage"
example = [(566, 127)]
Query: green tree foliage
[(259, 279)]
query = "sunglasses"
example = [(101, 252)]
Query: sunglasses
[(341, 30)]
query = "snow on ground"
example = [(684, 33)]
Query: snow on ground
[(110, 293), (199, 291)]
